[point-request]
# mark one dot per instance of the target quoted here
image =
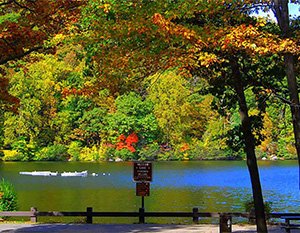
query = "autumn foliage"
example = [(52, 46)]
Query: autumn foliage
[(104, 50), (29, 23), (73, 91), (10, 102), (127, 142), (24, 28)]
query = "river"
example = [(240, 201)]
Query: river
[(213, 186)]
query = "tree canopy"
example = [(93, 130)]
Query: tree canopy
[(100, 80)]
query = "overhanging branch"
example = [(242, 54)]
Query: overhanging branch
[(22, 6), (18, 56), (6, 3)]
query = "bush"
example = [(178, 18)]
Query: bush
[(165, 155), (125, 154), (11, 155), (74, 150), (249, 207), (1, 154), (149, 152), (89, 154), (286, 148), (55, 152), (8, 196), (106, 152), (25, 150)]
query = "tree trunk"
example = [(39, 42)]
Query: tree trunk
[(281, 12), (250, 151), (294, 99)]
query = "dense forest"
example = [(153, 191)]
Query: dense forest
[(150, 80)]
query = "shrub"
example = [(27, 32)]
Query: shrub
[(125, 154), (25, 150), (74, 150), (11, 155), (249, 207), (89, 154), (8, 196), (149, 152), (106, 152), (165, 155), (55, 152), (286, 148), (1, 154)]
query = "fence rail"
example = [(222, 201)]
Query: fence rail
[(225, 219), (89, 212)]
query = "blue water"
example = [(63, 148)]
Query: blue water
[(215, 186)]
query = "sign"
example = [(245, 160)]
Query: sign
[(143, 189), (142, 171)]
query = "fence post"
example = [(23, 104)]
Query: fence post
[(89, 215), (225, 223), (33, 217), (141, 215), (195, 215)]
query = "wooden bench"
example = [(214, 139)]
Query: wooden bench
[(287, 222)]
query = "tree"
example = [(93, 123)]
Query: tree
[(25, 26), (122, 50), (230, 80), (250, 149), (170, 95), (7, 101), (133, 115), (39, 86), (245, 39), (91, 125), (278, 132), (281, 11), (187, 35)]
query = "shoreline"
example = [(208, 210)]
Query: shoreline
[(128, 161)]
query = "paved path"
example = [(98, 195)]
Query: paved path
[(127, 228)]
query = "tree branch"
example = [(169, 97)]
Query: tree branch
[(6, 3), (18, 56), (22, 6)]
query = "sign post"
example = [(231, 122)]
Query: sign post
[(142, 175)]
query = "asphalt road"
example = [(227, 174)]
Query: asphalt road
[(127, 228)]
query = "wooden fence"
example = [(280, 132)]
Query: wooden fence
[(225, 219)]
